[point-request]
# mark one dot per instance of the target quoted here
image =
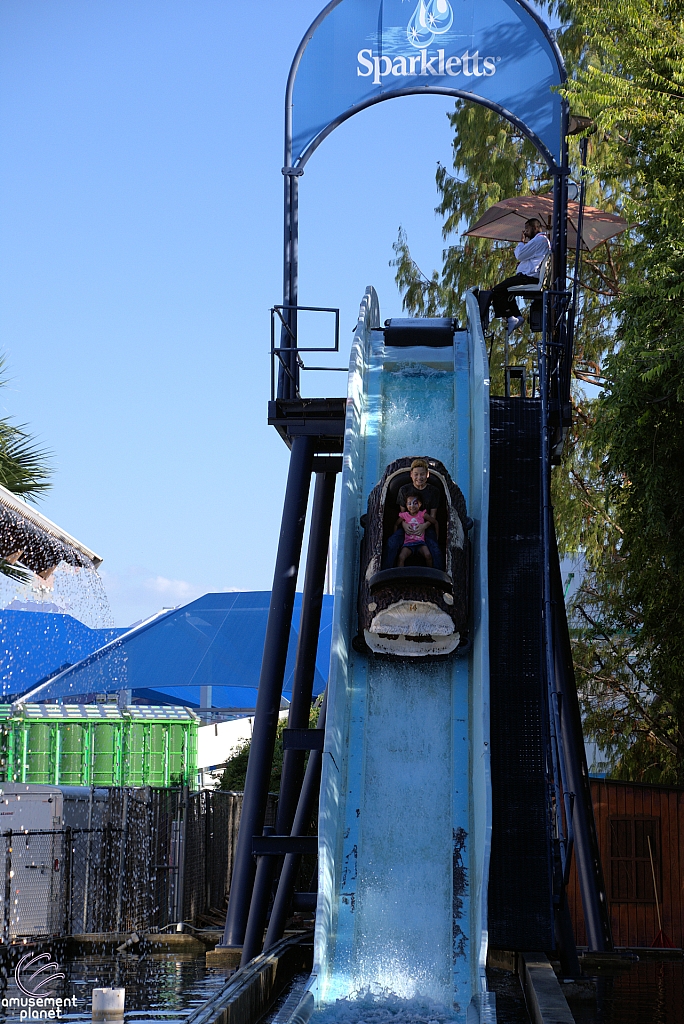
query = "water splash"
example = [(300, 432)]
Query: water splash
[(383, 1007), (403, 945), (411, 370), (416, 394), (70, 590)]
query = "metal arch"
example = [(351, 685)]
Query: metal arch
[(420, 90), (309, 34), (287, 384), (294, 67)]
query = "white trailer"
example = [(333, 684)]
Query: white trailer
[(31, 854)]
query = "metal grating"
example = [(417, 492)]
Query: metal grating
[(110, 712), (520, 895)]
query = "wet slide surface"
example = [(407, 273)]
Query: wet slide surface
[(405, 816)]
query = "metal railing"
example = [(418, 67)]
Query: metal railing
[(73, 881), (286, 357)]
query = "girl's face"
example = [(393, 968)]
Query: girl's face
[(413, 505)]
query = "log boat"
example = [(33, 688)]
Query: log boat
[(415, 610)]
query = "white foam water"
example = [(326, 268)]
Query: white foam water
[(383, 1007)]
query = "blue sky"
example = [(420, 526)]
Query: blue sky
[(141, 201)]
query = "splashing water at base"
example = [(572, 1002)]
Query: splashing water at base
[(70, 590), (383, 1008)]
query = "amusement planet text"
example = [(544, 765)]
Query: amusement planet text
[(39, 1007)]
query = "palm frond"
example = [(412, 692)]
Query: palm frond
[(14, 572), (24, 465)]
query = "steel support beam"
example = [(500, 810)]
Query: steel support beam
[(270, 687), (288, 875), (288, 384), (302, 687), (307, 646)]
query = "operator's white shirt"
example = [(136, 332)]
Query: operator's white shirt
[(531, 254)]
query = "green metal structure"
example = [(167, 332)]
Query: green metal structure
[(98, 745)]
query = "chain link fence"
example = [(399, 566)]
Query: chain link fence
[(211, 831), (155, 857)]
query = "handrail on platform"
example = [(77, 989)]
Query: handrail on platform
[(288, 355)]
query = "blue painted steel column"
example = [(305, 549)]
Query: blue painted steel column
[(263, 881), (288, 383), (270, 687), (307, 646), (288, 876), (559, 360), (302, 688)]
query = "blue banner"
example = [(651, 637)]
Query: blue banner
[(363, 51)]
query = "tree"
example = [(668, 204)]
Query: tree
[(618, 493), (24, 470), (235, 772), (492, 161), (629, 637), (233, 776)]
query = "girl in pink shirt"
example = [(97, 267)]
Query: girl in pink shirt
[(414, 522)]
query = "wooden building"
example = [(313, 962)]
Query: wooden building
[(641, 837)]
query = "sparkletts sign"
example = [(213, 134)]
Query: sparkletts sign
[(358, 52)]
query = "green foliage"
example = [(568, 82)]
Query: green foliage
[(24, 466), (628, 623), (235, 772), (24, 470), (493, 161), (635, 593), (619, 493), (585, 522)]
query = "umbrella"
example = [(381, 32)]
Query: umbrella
[(505, 220)]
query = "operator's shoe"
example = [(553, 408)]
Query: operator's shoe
[(514, 322)]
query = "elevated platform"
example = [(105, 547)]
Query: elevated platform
[(321, 418)]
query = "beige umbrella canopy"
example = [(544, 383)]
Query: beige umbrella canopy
[(505, 220)]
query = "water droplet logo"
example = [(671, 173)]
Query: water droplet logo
[(440, 16), (32, 979), (430, 19), (419, 35)]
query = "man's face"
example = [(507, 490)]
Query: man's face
[(419, 477)]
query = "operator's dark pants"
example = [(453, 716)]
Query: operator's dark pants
[(395, 543), (505, 304)]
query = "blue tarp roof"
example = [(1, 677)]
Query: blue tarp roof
[(215, 641), (35, 645)]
